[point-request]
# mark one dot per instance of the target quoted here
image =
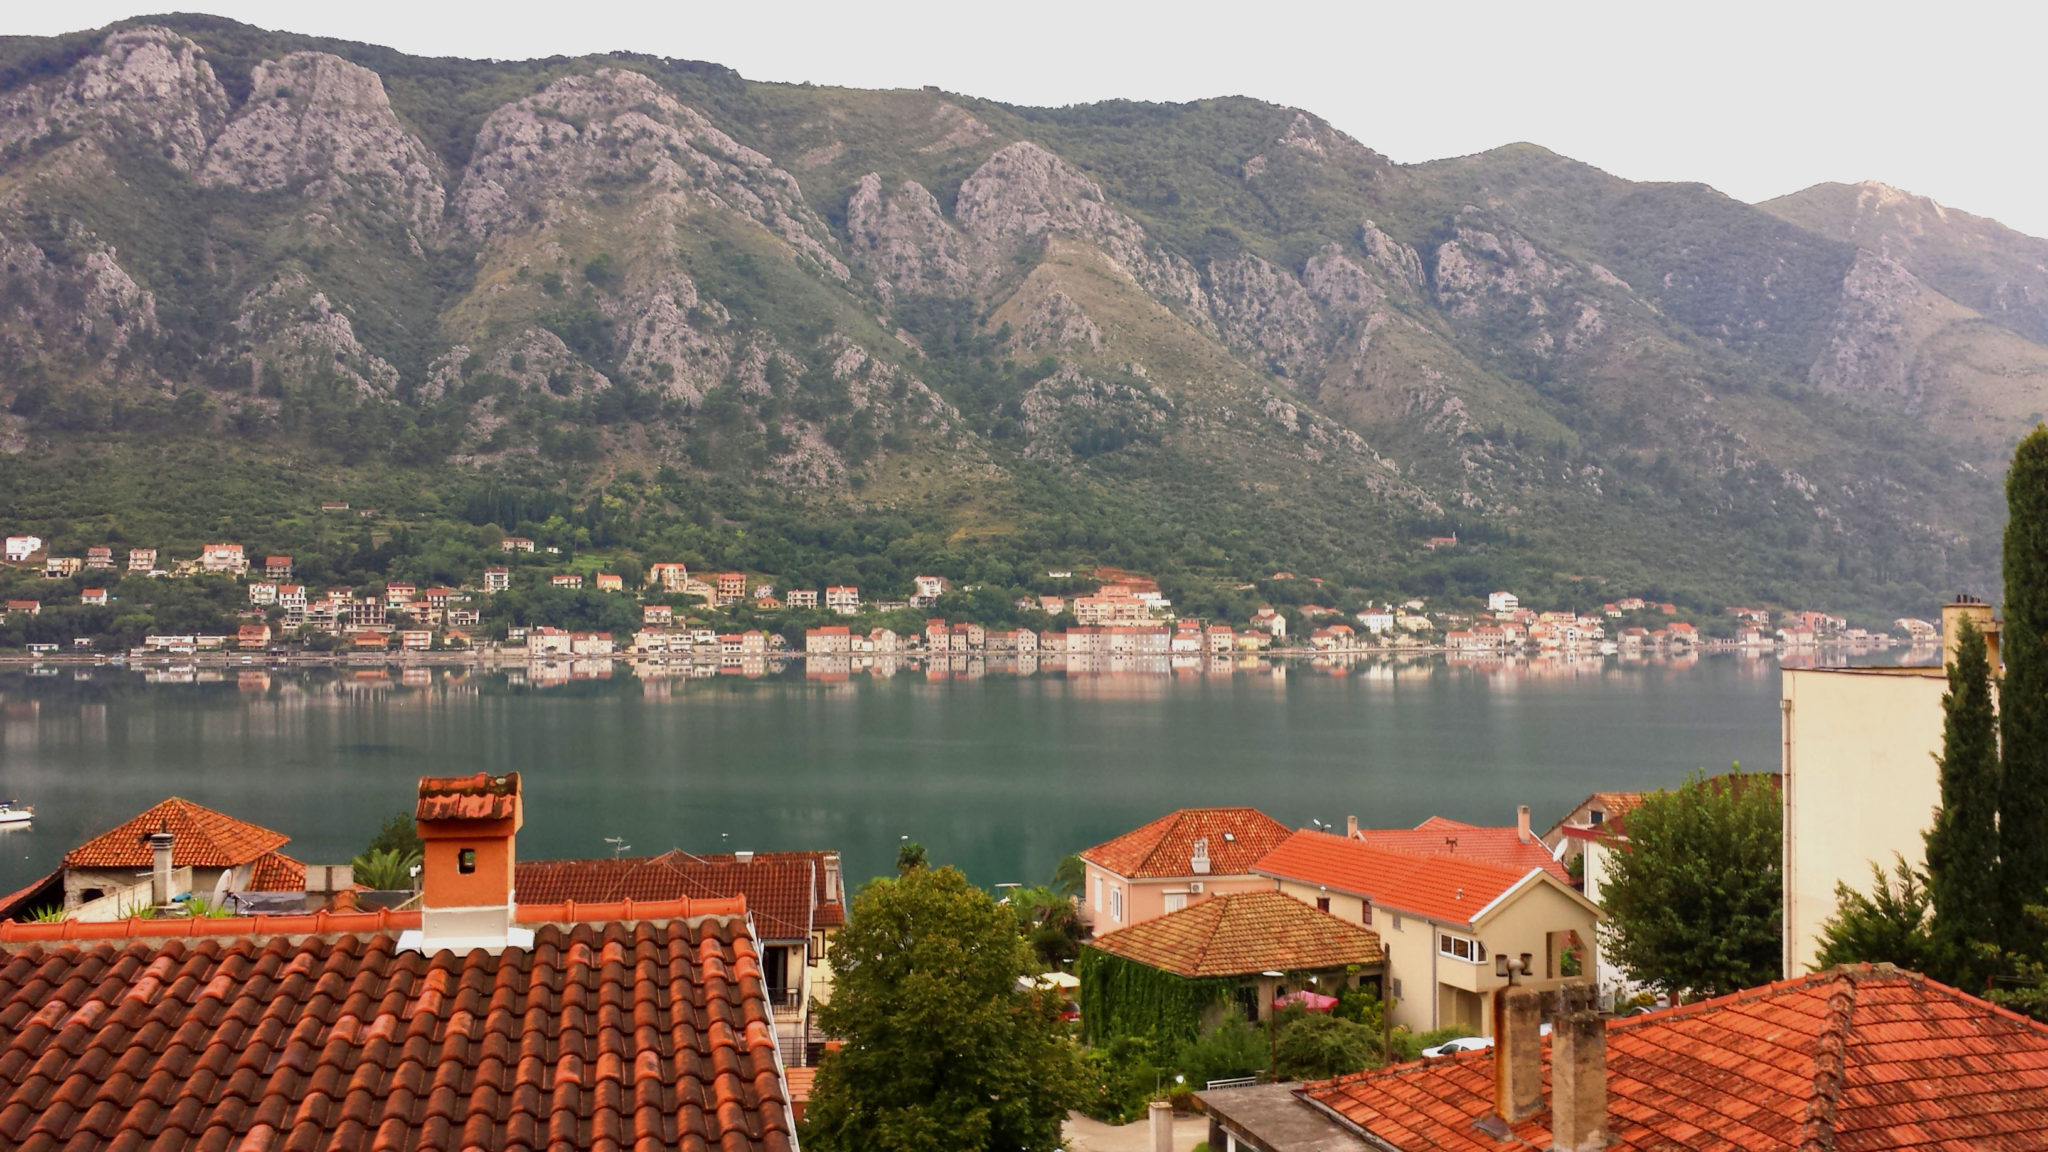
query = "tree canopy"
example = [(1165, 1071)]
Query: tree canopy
[(1695, 900), (942, 1050)]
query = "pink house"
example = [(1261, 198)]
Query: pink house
[(1179, 859)]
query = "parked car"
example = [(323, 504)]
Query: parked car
[(1463, 1044)]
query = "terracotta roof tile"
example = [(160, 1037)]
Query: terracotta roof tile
[(784, 890), (616, 1035), (479, 797), (276, 872), (1438, 836), (1241, 934), (1443, 888), (1236, 837), (1922, 1066), (202, 838)]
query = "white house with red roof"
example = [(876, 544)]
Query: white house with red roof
[(1443, 919), (1181, 858)]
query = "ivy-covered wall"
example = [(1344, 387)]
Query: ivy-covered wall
[(1121, 997)]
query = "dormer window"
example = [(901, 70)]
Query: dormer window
[(1200, 859)]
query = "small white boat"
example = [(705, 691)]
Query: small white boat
[(11, 813)]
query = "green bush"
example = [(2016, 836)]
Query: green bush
[(1119, 1080), (1317, 1047), (1231, 1049)]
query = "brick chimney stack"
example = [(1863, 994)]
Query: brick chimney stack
[(466, 900), (1351, 827), (1578, 1072), (1517, 1052), (1522, 831)]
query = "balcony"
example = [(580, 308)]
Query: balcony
[(790, 1000)]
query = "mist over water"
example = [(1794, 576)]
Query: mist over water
[(1001, 775)]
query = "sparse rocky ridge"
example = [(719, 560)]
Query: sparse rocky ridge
[(904, 242), (78, 318), (146, 83), (560, 156), (1869, 358), (1024, 192), (319, 125), (671, 335), (1265, 310), (1058, 323), (292, 333), (1072, 413)]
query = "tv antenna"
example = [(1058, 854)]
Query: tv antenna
[(619, 845)]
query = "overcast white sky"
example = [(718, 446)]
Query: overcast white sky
[(1757, 99)]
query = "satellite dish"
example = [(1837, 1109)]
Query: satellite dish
[(222, 887)]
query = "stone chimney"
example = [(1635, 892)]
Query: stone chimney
[(1578, 1072), (466, 900), (1351, 827), (832, 878), (1517, 1052), (1522, 832), (1975, 610), (160, 865)]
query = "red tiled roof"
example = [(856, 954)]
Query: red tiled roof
[(1443, 888), (1437, 836), (276, 872), (784, 890), (1241, 934), (1863, 1058), (479, 797), (202, 838), (616, 1035), (1165, 847)]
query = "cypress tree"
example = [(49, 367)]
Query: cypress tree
[(2023, 698), (1962, 847)]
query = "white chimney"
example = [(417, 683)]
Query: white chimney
[(1199, 861), (160, 865), (743, 857), (831, 877), (1351, 827)]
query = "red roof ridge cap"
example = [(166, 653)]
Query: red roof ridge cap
[(342, 923)]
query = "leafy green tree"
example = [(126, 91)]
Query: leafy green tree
[(1317, 1047), (1695, 902), (1962, 846), (2023, 701), (1050, 923), (1233, 1048), (910, 858), (1895, 924), (1070, 877), (942, 1050), (397, 834)]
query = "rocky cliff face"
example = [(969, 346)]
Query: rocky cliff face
[(145, 84), (322, 127)]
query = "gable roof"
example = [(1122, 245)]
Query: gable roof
[(1237, 838), (1243, 934), (481, 796), (1446, 889), (201, 838), (653, 1033), (1865, 1058), (785, 891), (1439, 836)]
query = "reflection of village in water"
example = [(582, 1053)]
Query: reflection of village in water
[(830, 669)]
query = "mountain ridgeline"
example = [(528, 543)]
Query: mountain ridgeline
[(246, 269)]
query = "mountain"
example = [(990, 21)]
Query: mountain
[(844, 334)]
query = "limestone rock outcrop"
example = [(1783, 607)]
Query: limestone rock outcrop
[(903, 240), (77, 314), (317, 124), (290, 332), (145, 84)]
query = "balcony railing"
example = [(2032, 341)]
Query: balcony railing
[(786, 999)]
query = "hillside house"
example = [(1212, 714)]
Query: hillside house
[(142, 559), (590, 643), (93, 597), (262, 592), (99, 558), (399, 594), (20, 548), (515, 544), (657, 615), (804, 598), (928, 589), (669, 575), (62, 567), (566, 580), (732, 587), (833, 640), (610, 582), (24, 608), (226, 558), (547, 642), (252, 637), (497, 579), (843, 599), (1181, 858)]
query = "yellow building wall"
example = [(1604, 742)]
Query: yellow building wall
[(1860, 785)]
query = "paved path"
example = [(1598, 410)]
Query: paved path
[(1085, 1135)]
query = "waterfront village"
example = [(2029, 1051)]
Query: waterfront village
[(747, 623), (181, 978)]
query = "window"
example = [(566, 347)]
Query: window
[(1395, 987), (1365, 912), (465, 860), (1460, 947), (1116, 905), (1396, 923), (1175, 901), (1322, 903), (1599, 817), (1098, 893)]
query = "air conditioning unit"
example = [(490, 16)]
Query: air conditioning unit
[(1194, 886)]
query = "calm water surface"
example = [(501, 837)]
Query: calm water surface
[(1001, 775)]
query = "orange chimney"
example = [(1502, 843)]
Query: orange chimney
[(468, 823)]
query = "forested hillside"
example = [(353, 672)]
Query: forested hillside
[(651, 307)]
